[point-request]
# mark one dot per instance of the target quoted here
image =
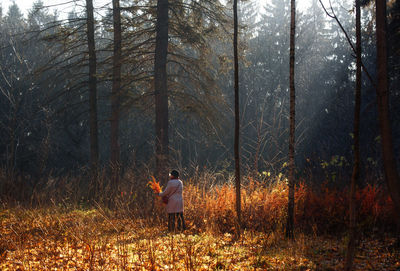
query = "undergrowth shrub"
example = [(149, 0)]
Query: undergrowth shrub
[(318, 210), (210, 202)]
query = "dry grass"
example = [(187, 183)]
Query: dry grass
[(318, 210), (52, 239), (209, 201), (132, 236)]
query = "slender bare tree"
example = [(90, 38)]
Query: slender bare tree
[(94, 144), (389, 161), (115, 95), (290, 217), (355, 178), (237, 117)]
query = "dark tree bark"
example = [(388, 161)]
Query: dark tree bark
[(237, 122), (161, 90), (355, 178), (389, 162), (94, 145), (115, 95), (290, 217)]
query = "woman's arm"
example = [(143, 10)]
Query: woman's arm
[(167, 190)]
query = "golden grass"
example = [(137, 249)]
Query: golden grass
[(52, 239), (319, 211), (132, 236)]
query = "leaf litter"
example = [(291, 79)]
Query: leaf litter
[(89, 240)]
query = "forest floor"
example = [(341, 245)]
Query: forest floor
[(94, 240)]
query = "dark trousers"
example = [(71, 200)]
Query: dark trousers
[(176, 222)]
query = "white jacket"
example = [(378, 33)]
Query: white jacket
[(173, 192)]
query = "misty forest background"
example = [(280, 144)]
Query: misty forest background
[(45, 143), (94, 101)]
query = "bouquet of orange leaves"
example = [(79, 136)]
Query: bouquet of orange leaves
[(155, 185)]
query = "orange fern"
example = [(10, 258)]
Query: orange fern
[(155, 185)]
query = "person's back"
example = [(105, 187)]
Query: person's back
[(175, 198), (174, 194)]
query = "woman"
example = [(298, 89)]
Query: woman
[(174, 208)]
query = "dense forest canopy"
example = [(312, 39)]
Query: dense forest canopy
[(44, 89)]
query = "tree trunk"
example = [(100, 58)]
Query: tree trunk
[(290, 217), (389, 162), (351, 246), (94, 145), (115, 96), (161, 90), (237, 123)]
